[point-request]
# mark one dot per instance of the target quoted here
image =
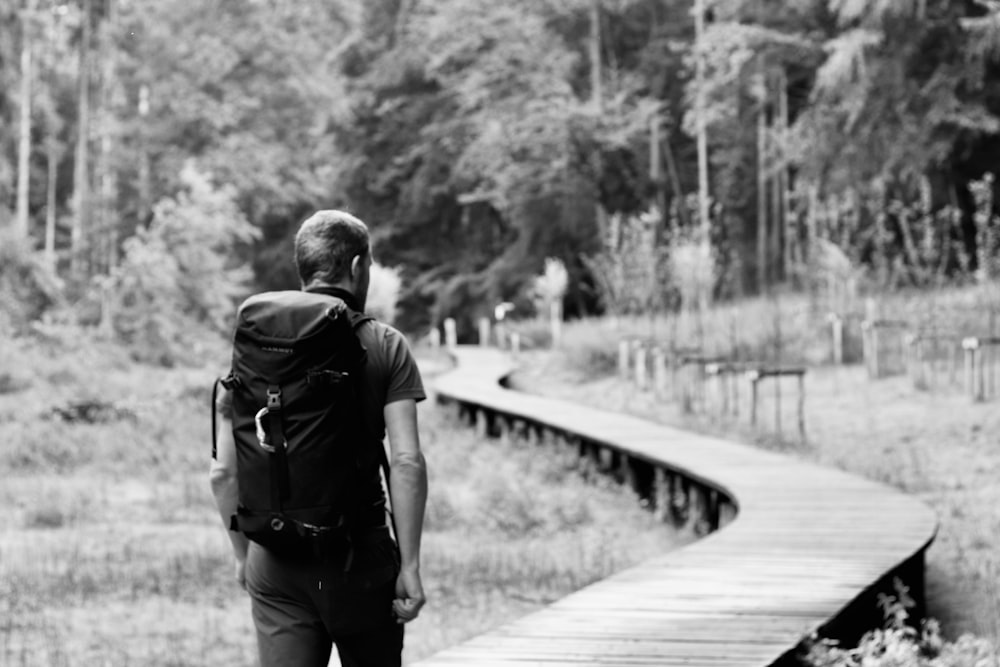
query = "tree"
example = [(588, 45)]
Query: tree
[(24, 131), (177, 277), (480, 134), (81, 159)]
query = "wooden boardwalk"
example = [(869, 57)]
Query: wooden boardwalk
[(807, 550)]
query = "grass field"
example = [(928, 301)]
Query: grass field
[(937, 445), (111, 552)]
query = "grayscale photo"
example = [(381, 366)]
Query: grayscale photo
[(537, 333)]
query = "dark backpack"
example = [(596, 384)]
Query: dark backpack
[(300, 438)]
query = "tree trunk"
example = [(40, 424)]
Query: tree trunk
[(790, 240), (777, 226), (24, 143), (53, 155), (107, 175), (596, 89), (81, 175), (675, 181), (762, 263), (145, 178), (701, 130)]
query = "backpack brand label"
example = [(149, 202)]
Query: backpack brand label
[(277, 350)]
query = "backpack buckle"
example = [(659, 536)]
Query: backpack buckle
[(273, 398), (262, 433)]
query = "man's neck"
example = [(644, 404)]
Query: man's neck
[(339, 291)]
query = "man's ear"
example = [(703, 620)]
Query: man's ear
[(354, 265)]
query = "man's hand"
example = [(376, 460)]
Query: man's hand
[(241, 572), (409, 596)]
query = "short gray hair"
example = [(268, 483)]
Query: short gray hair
[(325, 245)]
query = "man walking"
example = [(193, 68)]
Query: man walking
[(304, 605)]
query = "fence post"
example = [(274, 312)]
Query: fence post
[(623, 352), (659, 372), (972, 363), (484, 331), (837, 334), (450, 334), (640, 367), (555, 321), (435, 338), (515, 343)]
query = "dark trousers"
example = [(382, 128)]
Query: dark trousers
[(303, 608)]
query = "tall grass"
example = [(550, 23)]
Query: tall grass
[(111, 552), (790, 328)]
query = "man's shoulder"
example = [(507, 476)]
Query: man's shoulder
[(380, 331), (384, 338)]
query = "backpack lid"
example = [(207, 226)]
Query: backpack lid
[(274, 317)]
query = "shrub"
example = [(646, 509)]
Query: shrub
[(178, 277), (901, 645), (28, 287), (631, 268), (692, 270)]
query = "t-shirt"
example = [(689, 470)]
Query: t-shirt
[(390, 374)]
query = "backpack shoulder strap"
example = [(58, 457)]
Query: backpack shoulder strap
[(215, 419), (357, 319)]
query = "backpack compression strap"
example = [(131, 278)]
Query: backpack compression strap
[(278, 449)]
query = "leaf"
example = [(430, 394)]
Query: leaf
[(846, 62)]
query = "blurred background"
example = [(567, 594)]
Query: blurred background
[(748, 180)]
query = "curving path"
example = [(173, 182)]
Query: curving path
[(807, 550)]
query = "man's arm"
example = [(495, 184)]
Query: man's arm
[(408, 493), (225, 488)]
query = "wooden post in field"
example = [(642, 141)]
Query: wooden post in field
[(837, 336), (555, 321), (450, 333), (916, 360), (623, 352), (869, 337), (435, 338), (975, 380), (755, 376), (659, 372), (515, 343), (641, 369), (484, 331), (869, 345)]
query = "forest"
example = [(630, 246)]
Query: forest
[(157, 157)]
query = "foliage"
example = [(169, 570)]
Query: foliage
[(550, 287), (899, 644), (631, 269), (478, 134), (692, 270), (28, 287), (479, 139), (383, 293), (176, 278)]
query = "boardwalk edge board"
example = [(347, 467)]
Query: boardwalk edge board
[(795, 548)]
